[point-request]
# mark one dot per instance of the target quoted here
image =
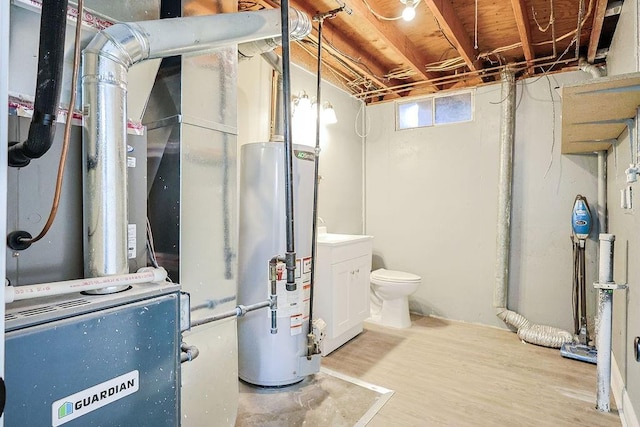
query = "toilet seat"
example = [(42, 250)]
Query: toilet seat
[(392, 276)]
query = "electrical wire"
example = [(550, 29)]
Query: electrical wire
[(551, 17), (400, 74), (444, 35), (579, 27), (553, 126), (151, 250), (475, 46), (367, 124), (67, 129)]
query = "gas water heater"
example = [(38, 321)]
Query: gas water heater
[(266, 358)]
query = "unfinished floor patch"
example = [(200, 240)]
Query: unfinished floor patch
[(326, 398)]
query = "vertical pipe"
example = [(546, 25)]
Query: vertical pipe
[(602, 191), (314, 225), (4, 124), (290, 254), (507, 134), (605, 302)]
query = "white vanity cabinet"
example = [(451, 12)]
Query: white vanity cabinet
[(341, 293)]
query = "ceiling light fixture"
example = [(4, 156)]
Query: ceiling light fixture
[(409, 11)]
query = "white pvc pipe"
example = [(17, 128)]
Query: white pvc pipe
[(603, 326), (144, 275), (602, 191)]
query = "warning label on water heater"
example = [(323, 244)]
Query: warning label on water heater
[(293, 305)]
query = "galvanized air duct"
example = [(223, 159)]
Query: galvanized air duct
[(106, 61), (536, 334)]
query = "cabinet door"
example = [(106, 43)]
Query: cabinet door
[(340, 281), (359, 296)]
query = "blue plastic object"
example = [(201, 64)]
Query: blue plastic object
[(581, 218)]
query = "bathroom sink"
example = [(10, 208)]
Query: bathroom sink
[(340, 239)]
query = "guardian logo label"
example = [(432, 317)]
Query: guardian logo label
[(81, 403)]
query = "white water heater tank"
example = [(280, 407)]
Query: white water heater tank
[(268, 359)]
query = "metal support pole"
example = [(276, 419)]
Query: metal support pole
[(605, 287)]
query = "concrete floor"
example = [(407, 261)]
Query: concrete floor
[(324, 399)]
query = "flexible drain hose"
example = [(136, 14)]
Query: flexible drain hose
[(547, 336)]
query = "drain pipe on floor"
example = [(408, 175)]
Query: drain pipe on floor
[(536, 334)]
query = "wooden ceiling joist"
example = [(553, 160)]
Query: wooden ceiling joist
[(454, 30), (522, 21), (400, 44), (596, 30), (340, 48)]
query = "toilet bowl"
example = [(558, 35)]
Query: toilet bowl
[(390, 292)]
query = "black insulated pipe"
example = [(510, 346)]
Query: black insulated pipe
[(290, 254), (53, 23)]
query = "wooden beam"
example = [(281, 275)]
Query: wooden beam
[(400, 44), (454, 30), (596, 29), (341, 48), (522, 21)]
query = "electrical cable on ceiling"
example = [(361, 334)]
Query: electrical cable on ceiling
[(475, 46), (535, 17), (67, 130), (400, 74), (579, 27), (444, 35), (349, 85)]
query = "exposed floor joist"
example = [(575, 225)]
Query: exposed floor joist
[(454, 30), (522, 21), (388, 32), (596, 29), (340, 48)]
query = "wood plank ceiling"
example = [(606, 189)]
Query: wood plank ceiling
[(375, 55)]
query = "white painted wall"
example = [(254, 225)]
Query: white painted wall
[(340, 191), (624, 57), (432, 206), (623, 54)]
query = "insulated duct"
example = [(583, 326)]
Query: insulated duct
[(106, 61), (536, 334), (594, 70), (53, 26)]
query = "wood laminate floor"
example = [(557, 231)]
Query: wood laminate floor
[(452, 373)]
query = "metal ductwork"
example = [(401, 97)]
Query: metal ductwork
[(300, 30), (106, 62), (595, 70), (536, 334)]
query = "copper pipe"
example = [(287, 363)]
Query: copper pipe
[(67, 130)]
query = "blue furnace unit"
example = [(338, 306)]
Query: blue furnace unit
[(111, 360)]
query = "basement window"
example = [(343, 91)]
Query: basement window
[(434, 111)]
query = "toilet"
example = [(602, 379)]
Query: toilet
[(390, 292)]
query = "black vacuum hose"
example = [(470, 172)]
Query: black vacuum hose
[(53, 23)]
